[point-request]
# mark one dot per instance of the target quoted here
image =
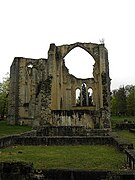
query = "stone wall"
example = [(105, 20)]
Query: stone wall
[(70, 131), (39, 87), (130, 158), (78, 117), (120, 143), (23, 171), (13, 102), (62, 135), (61, 131), (16, 171), (63, 140), (70, 174), (6, 141), (125, 125)]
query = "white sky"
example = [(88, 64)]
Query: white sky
[(27, 27)]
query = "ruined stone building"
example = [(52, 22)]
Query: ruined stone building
[(42, 91)]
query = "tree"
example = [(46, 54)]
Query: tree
[(114, 103), (4, 90), (131, 101), (119, 102), (122, 101)]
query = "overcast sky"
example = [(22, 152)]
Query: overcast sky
[(27, 27)]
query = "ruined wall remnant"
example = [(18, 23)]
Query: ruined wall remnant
[(42, 91)]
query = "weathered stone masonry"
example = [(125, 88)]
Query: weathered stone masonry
[(43, 92)]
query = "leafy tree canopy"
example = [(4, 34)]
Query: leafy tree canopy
[(123, 101), (4, 90)]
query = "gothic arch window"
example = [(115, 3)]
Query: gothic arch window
[(80, 63), (28, 85), (30, 65), (90, 97), (78, 100), (84, 94), (29, 68)]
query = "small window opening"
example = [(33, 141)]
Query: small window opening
[(78, 100), (90, 97), (30, 66), (84, 94)]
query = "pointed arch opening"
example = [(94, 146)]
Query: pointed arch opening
[(90, 97), (78, 100), (30, 65), (84, 94), (80, 63)]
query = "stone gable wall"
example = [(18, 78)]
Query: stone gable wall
[(33, 97)]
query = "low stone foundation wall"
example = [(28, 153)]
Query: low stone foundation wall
[(69, 174), (130, 158), (29, 133), (7, 141), (31, 138), (16, 171), (70, 131), (125, 125), (97, 132), (63, 140), (23, 171), (121, 144), (62, 131), (132, 130), (11, 140)]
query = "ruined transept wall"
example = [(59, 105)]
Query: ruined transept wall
[(43, 92), (25, 76)]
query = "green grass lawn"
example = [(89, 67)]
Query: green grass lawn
[(125, 134), (95, 157), (6, 129), (118, 119)]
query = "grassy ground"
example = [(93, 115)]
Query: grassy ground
[(9, 130), (118, 119), (77, 157), (125, 134), (95, 157)]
